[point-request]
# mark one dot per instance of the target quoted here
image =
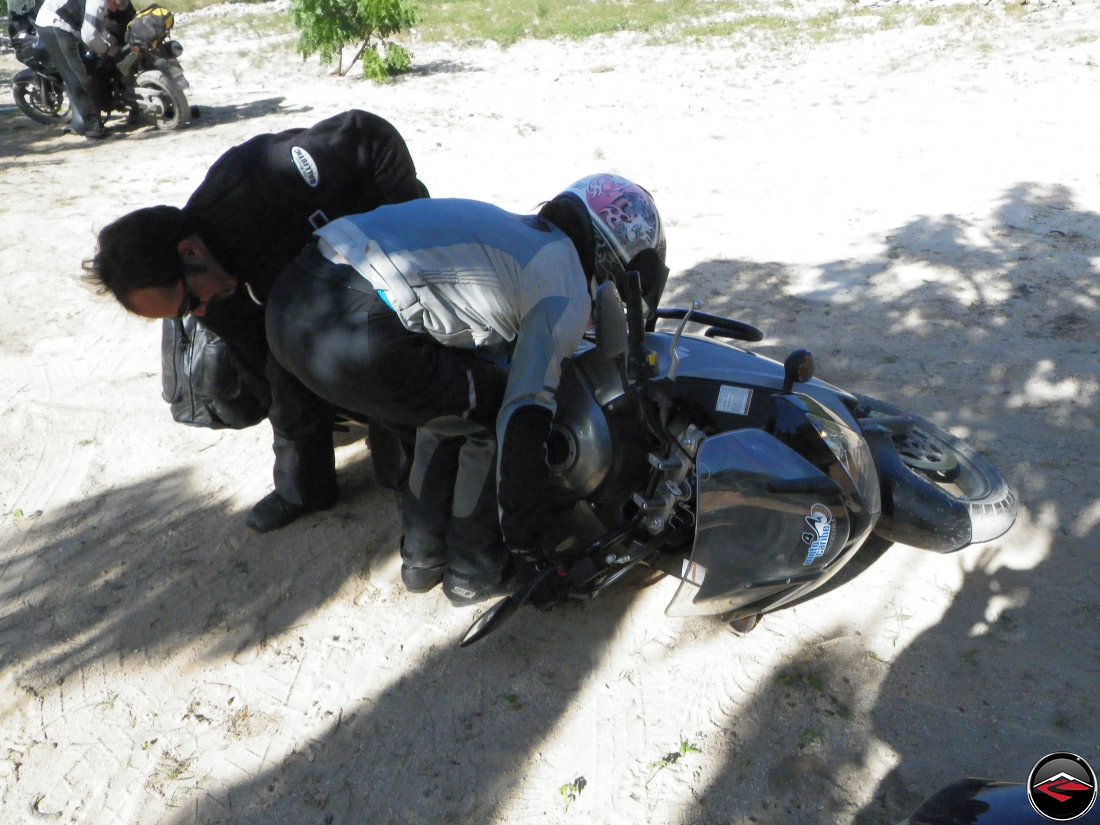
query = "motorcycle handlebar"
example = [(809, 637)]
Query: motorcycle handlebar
[(722, 327)]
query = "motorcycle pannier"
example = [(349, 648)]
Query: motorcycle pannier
[(149, 26), (204, 383)]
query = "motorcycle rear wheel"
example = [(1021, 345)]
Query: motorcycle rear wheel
[(173, 111), (41, 99), (961, 474)]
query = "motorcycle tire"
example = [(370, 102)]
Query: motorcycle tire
[(41, 99), (173, 110), (939, 479)]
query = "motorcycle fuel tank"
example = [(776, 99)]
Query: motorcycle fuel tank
[(767, 520)]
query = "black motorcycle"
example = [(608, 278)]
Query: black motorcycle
[(146, 81), (750, 481), (974, 801)]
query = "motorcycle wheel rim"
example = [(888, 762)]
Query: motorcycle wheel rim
[(928, 455)]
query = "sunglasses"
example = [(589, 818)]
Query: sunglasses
[(190, 302)]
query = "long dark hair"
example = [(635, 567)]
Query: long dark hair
[(137, 251)]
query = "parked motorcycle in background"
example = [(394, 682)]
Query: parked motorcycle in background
[(145, 82)]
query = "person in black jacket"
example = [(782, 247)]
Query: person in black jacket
[(256, 209)]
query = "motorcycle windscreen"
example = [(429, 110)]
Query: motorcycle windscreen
[(751, 541)]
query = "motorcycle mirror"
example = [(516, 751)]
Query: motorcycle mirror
[(674, 347), (609, 319), (799, 367)]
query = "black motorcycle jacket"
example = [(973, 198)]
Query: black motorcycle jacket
[(262, 200), (256, 209)]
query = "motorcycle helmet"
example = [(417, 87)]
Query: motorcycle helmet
[(625, 232)]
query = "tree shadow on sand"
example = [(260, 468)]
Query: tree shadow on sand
[(21, 137), (209, 116), (450, 740), (145, 570), (1007, 675)]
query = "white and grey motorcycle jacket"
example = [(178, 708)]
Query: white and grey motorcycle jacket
[(472, 275)]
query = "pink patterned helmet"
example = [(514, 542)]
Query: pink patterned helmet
[(625, 222)]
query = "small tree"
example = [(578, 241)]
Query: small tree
[(325, 27)]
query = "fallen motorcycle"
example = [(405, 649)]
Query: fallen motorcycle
[(975, 801), (145, 82), (750, 481)]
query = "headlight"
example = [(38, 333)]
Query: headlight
[(854, 456)]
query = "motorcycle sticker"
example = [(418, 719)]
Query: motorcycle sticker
[(307, 167), (733, 400), (820, 524)]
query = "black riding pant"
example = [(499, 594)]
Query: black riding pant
[(64, 51), (449, 507), (330, 329)]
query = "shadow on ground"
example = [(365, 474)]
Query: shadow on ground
[(146, 569), (954, 702), (21, 137), (450, 740)]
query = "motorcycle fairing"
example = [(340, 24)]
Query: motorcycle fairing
[(974, 801), (704, 361), (752, 540), (916, 511)]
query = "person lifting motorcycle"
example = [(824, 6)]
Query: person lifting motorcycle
[(477, 280)]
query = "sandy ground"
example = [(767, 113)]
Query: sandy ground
[(918, 204)]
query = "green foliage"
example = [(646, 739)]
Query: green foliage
[(381, 67), (672, 758), (326, 27), (571, 790)]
